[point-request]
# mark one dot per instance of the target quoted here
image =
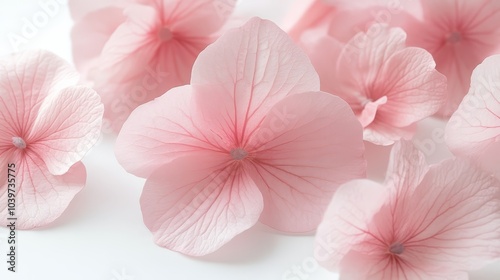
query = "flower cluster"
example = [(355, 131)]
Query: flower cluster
[(235, 126)]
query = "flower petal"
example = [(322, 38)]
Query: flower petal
[(132, 45), (457, 227), (196, 18), (345, 222), (306, 147), (26, 79), (474, 129), (79, 8), (68, 125), (41, 197), (310, 14), (383, 134), (415, 89), (253, 67), (162, 130), (407, 167), (196, 204), (90, 34)]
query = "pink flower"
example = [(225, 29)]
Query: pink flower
[(251, 139), (389, 86), (460, 34), (425, 222), (474, 129), (47, 125), (136, 50)]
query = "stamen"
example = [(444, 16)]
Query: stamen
[(397, 248), (165, 34), (238, 154), (454, 37), (19, 142)]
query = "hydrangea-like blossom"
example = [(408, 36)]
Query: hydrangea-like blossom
[(459, 34), (474, 129), (250, 139), (47, 125), (389, 86), (133, 51), (424, 222)]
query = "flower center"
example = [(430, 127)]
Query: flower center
[(19, 142), (165, 34), (454, 37), (397, 248), (238, 154)]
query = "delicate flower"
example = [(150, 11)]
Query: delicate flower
[(134, 51), (250, 139), (474, 129), (389, 86), (460, 34), (425, 222), (47, 125)]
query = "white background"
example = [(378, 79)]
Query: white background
[(101, 236)]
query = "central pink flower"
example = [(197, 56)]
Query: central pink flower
[(251, 138)]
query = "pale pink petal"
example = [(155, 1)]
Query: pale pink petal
[(474, 129), (366, 54), (457, 226), (344, 223), (415, 90), (198, 18), (383, 134), (307, 14), (80, 8), (41, 197), (161, 130), (305, 148), (324, 52), (196, 204), (370, 111), (459, 34), (247, 71), (407, 167), (90, 34), (68, 125), (26, 79), (132, 46)]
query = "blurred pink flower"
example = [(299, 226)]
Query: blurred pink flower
[(47, 125), (133, 51), (250, 139), (434, 222), (389, 86), (474, 129), (460, 34)]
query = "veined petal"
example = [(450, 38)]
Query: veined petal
[(383, 134), (196, 204), (457, 227), (248, 70), (195, 18), (26, 79), (414, 88), (475, 127), (306, 147), (80, 9), (364, 55), (68, 125), (132, 45), (40, 196), (90, 34), (344, 223), (162, 130)]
